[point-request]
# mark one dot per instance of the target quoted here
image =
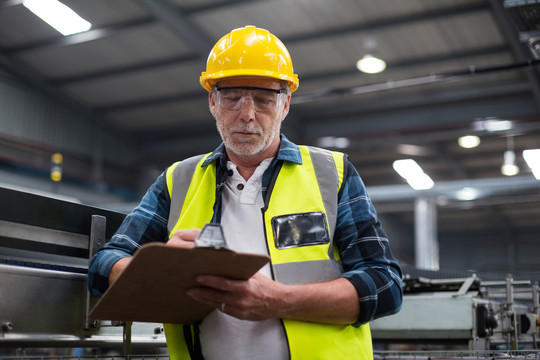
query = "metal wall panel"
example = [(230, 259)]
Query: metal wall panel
[(37, 120)]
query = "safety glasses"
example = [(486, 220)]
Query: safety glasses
[(263, 99)]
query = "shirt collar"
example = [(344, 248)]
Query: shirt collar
[(288, 151)]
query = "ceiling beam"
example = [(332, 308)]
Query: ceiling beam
[(328, 93), (179, 23), (520, 50), (94, 34), (125, 69), (212, 6), (411, 100), (415, 61), (133, 104), (428, 15), (487, 188)]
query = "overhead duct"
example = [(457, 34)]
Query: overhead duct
[(525, 16), (486, 188)]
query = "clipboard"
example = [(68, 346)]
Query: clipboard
[(153, 286)]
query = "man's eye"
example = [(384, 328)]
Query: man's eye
[(264, 100)]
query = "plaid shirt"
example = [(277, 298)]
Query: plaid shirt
[(364, 250)]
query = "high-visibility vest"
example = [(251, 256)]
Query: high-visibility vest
[(301, 196)]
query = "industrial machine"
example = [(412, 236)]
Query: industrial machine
[(464, 313), (45, 246)]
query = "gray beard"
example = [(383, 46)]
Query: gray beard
[(248, 149)]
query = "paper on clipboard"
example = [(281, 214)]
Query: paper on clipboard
[(153, 286)]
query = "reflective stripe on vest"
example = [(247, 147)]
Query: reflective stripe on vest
[(181, 177), (188, 181), (294, 192), (303, 190)]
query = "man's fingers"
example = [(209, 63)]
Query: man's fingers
[(219, 283), (187, 234), (184, 238)]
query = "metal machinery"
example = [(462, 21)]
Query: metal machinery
[(464, 313), (45, 245)]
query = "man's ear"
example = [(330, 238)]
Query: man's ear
[(212, 103), (286, 107)]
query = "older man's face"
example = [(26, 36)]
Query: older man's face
[(247, 125)]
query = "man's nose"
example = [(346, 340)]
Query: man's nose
[(247, 108)]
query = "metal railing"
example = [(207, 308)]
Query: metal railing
[(456, 354)]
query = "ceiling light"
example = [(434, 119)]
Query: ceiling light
[(370, 64), (342, 143), (333, 142), (469, 141), (413, 150), (509, 167), (492, 125), (467, 194), (532, 158), (413, 173), (58, 15)]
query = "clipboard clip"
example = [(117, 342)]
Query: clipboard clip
[(211, 236)]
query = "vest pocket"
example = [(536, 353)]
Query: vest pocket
[(293, 230)]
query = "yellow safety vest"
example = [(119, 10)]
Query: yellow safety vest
[(302, 196)]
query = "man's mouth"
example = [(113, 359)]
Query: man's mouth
[(246, 132)]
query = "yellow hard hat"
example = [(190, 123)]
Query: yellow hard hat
[(249, 51)]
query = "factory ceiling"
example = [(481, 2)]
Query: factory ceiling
[(454, 68)]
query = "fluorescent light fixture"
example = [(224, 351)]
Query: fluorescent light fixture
[(492, 125), (532, 158), (333, 142), (467, 194), (469, 141), (413, 173), (370, 64), (58, 15), (413, 150)]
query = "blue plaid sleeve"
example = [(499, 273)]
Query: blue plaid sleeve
[(146, 223), (365, 252)]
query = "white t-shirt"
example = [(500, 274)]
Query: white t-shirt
[(222, 336)]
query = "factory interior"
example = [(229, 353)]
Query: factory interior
[(89, 119)]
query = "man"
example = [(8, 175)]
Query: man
[(331, 271)]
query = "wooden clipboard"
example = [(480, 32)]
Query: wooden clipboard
[(153, 286)]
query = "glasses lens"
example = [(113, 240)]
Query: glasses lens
[(262, 99)]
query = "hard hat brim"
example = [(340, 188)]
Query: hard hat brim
[(208, 81)]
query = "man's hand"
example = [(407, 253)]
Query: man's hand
[(181, 238), (260, 298), (255, 299), (184, 238)]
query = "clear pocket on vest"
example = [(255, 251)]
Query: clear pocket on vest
[(293, 230)]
